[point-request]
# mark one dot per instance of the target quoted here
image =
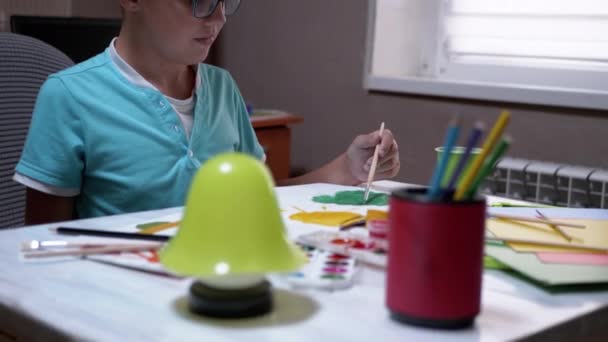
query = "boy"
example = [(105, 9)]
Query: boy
[(126, 130)]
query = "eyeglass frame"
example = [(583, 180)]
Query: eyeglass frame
[(196, 2)]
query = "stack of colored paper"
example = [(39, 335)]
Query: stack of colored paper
[(550, 258)]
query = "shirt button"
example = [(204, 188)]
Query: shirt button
[(175, 128), (190, 153), (161, 103)]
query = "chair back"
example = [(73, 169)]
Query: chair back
[(25, 63)]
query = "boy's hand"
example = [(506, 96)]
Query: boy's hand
[(361, 151)]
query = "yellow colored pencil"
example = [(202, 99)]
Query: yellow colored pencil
[(487, 147), (159, 227), (555, 227), (536, 220)]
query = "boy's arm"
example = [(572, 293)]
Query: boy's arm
[(335, 172), (52, 160), (44, 208), (352, 166)]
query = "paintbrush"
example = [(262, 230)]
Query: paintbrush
[(39, 245), (372, 169), (109, 248), (109, 234)]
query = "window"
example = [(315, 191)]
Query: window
[(551, 52)]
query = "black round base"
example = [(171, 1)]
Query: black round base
[(227, 303), (434, 323)]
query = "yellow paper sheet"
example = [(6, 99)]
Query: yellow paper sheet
[(595, 234), (376, 215), (326, 218)]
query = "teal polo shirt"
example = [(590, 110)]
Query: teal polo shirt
[(123, 145)]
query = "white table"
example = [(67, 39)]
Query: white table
[(81, 299)]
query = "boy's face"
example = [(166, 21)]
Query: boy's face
[(175, 33)]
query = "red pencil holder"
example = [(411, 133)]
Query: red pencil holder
[(435, 259)]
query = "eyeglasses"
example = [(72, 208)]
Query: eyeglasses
[(205, 8)]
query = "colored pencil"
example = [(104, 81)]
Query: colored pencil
[(372, 169), (159, 227), (110, 234), (511, 205), (555, 227), (489, 165), (471, 143), (536, 220), (450, 140), (488, 145)]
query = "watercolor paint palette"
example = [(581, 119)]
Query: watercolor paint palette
[(324, 270), (362, 248)]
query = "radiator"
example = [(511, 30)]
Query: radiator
[(549, 183)]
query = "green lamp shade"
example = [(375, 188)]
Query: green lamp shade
[(232, 224)]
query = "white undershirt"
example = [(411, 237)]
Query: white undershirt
[(183, 108)]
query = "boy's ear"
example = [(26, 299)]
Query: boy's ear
[(130, 5)]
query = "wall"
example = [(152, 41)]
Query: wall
[(96, 8), (32, 7), (63, 8), (307, 57)]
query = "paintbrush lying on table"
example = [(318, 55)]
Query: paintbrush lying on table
[(43, 249)]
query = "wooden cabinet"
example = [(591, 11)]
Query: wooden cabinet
[(274, 134)]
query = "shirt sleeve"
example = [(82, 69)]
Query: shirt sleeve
[(54, 149), (248, 140), (42, 187)]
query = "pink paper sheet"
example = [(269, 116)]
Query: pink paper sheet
[(574, 258)]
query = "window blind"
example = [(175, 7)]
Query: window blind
[(555, 33)]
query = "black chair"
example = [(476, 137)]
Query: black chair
[(25, 63)]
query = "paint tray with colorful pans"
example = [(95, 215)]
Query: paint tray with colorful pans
[(365, 249), (324, 270)]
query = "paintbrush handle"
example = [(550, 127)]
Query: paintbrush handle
[(94, 250), (372, 169), (38, 245), (109, 234)]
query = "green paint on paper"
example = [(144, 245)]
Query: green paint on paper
[(353, 198)]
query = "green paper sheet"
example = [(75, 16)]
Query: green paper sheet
[(493, 264)]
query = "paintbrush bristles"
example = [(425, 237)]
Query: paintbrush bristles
[(372, 169)]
